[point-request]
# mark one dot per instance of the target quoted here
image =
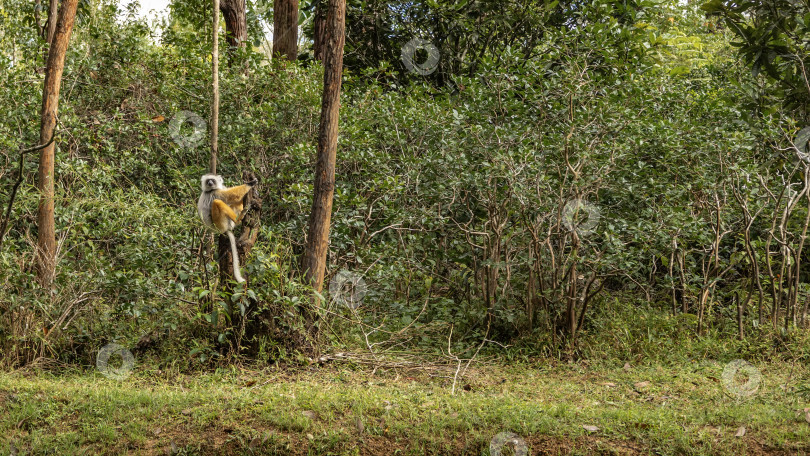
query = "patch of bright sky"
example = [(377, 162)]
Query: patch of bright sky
[(149, 8), (154, 10)]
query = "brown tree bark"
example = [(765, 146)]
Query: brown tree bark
[(37, 22), (319, 31), (46, 235), (235, 22), (49, 29), (212, 165), (285, 29), (52, 12), (314, 263)]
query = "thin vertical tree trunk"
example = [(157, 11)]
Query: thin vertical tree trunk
[(235, 23), (224, 246), (314, 263), (285, 29), (682, 280), (212, 166), (530, 293), (53, 6), (672, 277), (49, 29), (571, 313), (319, 31), (46, 235), (252, 211), (37, 21)]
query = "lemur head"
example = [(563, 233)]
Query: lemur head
[(211, 182)]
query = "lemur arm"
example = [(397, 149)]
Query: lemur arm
[(233, 196)]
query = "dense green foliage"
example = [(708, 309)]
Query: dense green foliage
[(772, 36), (456, 192)]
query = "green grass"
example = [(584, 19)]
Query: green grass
[(683, 410)]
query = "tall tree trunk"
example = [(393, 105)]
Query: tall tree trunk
[(212, 165), (46, 235), (49, 29), (285, 29), (235, 22), (319, 30), (52, 12), (314, 263), (37, 21)]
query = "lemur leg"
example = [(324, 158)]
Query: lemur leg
[(221, 214)]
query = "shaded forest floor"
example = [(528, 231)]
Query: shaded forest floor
[(343, 409)]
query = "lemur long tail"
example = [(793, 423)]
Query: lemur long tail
[(236, 274)]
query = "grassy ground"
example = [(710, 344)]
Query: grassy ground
[(341, 409)]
